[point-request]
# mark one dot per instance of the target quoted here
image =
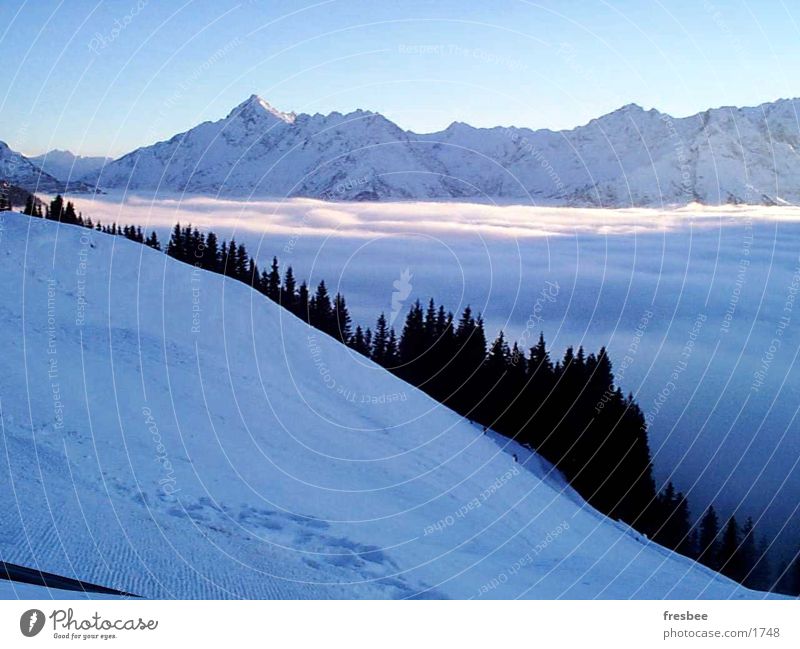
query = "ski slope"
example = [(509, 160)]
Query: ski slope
[(171, 433)]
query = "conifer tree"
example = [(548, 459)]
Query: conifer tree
[(672, 528), (273, 285), (412, 346), (380, 341), (683, 527), (442, 319), (262, 282), (56, 208), (728, 556), (225, 258), (321, 311), (289, 290), (559, 445), (760, 577), (392, 354), (152, 241), (708, 547), (69, 215), (516, 379), (242, 268), (470, 351), (341, 319), (195, 247), (187, 250), (431, 326), (633, 475), (303, 306), (358, 342), (175, 245), (210, 259), (251, 275), (368, 341), (494, 402), (241, 264)]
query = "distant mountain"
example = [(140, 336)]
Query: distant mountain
[(65, 165), (628, 157), (18, 170)]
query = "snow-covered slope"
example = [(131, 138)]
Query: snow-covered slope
[(628, 157), (171, 433), (65, 165)]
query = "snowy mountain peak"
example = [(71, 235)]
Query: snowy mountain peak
[(459, 126), (254, 106), (65, 165), (62, 153), (631, 156), (626, 112)]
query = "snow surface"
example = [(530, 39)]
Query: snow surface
[(630, 157), (171, 433)]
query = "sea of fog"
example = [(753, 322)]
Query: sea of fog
[(699, 308)]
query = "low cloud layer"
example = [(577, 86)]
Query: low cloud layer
[(309, 217)]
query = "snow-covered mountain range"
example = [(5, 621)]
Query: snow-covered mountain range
[(628, 157), (20, 171), (172, 433), (23, 172), (65, 165)]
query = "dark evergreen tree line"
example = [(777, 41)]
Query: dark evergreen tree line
[(548, 406), (570, 410), (573, 414), (33, 207), (734, 551), (204, 250)]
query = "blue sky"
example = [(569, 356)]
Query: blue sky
[(72, 78)]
